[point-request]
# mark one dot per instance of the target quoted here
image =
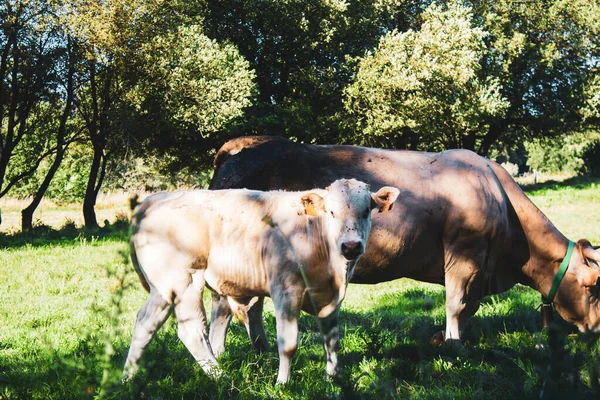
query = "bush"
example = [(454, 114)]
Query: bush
[(557, 155), (151, 174), (591, 158), (512, 169), (569, 154)]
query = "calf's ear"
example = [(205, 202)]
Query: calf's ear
[(313, 203), (384, 199)]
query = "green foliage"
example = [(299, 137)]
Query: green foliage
[(568, 154), (70, 180), (427, 82), (591, 108), (530, 66), (31, 96), (168, 82), (591, 158), (152, 173), (303, 53), (552, 156), (202, 83)]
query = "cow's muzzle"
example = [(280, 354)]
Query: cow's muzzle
[(352, 250)]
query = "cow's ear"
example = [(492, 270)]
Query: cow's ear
[(384, 199), (588, 251), (591, 253), (587, 276), (313, 203)]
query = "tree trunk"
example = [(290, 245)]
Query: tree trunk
[(3, 68), (493, 134), (27, 213), (8, 145), (89, 200), (98, 127), (468, 141), (61, 148)]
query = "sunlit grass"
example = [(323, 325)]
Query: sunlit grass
[(109, 207)]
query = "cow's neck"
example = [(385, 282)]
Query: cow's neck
[(547, 248)]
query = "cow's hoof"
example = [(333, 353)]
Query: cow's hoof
[(438, 338)]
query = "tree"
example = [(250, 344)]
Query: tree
[(200, 83), (26, 81), (303, 53), (424, 87), (62, 139), (495, 71), (142, 66), (543, 54), (591, 108)]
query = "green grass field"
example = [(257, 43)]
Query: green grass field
[(68, 301)]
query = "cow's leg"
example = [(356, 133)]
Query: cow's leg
[(219, 323), (287, 301), (191, 324), (458, 309), (150, 318), (249, 311), (331, 340), (255, 327)]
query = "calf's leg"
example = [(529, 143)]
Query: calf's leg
[(150, 318), (191, 324), (219, 323), (287, 302), (249, 311), (331, 340)]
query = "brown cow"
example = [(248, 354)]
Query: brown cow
[(460, 221)]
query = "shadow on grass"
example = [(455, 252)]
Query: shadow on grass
[(386, 353), (577, 182), (43, 235)]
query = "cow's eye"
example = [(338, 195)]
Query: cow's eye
[(332, 214)]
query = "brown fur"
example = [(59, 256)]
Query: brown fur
[(460, 220)]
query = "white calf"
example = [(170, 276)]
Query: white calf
[(300, 248)]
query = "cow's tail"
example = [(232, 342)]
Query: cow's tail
[(136, 266), (137, 210)]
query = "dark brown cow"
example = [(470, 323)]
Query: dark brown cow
[(460, 220)]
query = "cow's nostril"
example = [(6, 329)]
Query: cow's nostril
[(352, 250)]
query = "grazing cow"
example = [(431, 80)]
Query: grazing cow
[(300, 248), (460, 221)]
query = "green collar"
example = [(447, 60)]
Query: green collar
[(560, 274)]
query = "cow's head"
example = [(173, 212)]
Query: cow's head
[(577, 298), (347, 205)]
